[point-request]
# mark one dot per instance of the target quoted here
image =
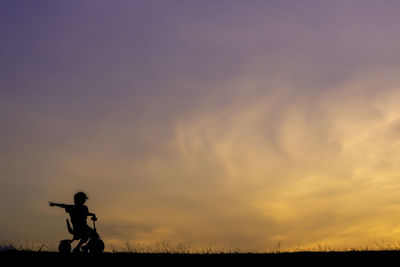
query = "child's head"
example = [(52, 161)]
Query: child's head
[(80, 198)]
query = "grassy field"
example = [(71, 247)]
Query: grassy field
[(165, 253), (188, 259)]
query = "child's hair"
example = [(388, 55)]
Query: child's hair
[(80, 198)]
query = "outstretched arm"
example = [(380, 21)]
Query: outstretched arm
[(52, 204)]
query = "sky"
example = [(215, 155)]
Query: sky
[(214, 124)]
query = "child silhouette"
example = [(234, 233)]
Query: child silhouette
[(78, 214)]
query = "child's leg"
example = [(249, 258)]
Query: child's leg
[(78, 247)]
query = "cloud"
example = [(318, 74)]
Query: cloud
[(326, 160), (271, 164)]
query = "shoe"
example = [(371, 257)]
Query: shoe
[(84, 249)]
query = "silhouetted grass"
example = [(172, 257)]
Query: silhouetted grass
[(23, 246), (178, 248), (162, 253), (317, 258), (166, 247)]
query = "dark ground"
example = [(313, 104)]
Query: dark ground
[(356, 258)]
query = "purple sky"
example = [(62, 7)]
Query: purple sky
[(208, 122)]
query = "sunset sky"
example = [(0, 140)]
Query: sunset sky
[(225, 124)]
